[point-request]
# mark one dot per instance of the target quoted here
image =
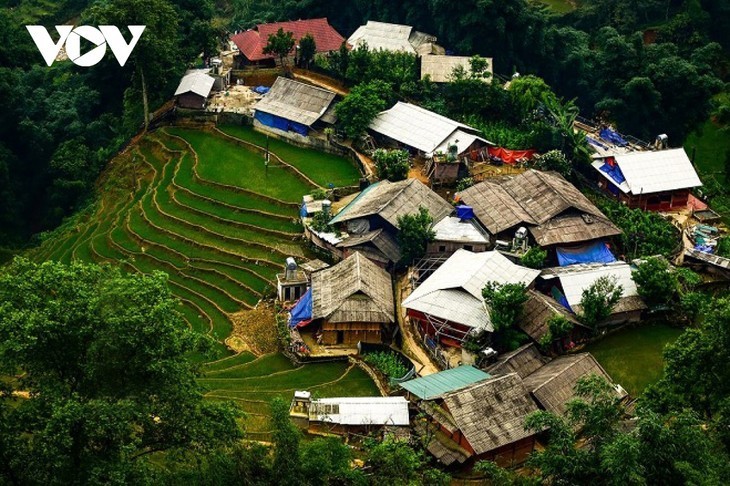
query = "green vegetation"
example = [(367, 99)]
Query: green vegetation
[(392, 164), (389, 364), (633, 356), (323, 168), (534, 258), (505, 303), (599, 299), (414, 235)]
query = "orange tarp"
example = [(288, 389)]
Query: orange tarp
[(511, 156)]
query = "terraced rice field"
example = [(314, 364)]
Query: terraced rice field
[(202, 207), (253, 382)]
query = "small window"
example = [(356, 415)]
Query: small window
[(468, 247), (287, 293), (442, 248)]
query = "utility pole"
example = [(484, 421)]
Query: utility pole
[(266, 159)]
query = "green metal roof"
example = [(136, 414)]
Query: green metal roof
[(435, 385), (349, 205)]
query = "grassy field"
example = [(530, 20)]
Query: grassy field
[(633, 357), (204, 209)]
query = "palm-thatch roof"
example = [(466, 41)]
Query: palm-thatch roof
[(378, 241), (295, 101), (553, 209), (354, 290), (553, 385), (491, 413), (389, 200), (524, 361), (538, 310)]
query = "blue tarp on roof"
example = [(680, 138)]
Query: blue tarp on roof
[(261, 89), (595, 142), (614, 172), (597, 252), (610, 136), (465, 212), (281, 123), (301, 313)]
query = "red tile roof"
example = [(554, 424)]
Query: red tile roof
[(251, 43)]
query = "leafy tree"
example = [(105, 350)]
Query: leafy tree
[(280, 44), (505, 304), (360, 106), (656, 283), (395, 462), (99, 358), (327, 461), (599, 299), (286, 438), (414, 234), (464, 183), (556, 161), (307, 50), (392, 164), (534, 257), (559, 325)]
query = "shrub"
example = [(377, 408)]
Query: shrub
[(319, 194), (599, 299), (464, 183), (320, 223), (388, 363), (559, 326), (534, 258), (414, 235), (392, 164), (656, 284), (554, 160)]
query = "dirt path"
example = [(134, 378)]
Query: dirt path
[(411, 342), (321, 81)]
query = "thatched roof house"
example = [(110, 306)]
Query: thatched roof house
[(490, 416), (380, 205), (449, 305), (524, 361), (554, 211), (537, 312), (567, 284), (294, 106), (439, 68), (379, 246), (393, 37), (353, 300), (553, 385)]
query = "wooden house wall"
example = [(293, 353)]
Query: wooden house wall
[(449, 247), (512, 454), (427, 328), (351, 332), (191, 100), (660, 201)]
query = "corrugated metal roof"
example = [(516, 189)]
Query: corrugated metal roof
[(650, 172), (454, 290), (198, 82), (415, 126), (462, 140), (452, 228), (433, 386), (440, 68), (360, 410), (576, 278), (299, 102)]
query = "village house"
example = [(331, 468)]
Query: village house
[(350, 415), (291, 107), (653, 180), (536, 315), (440, 68), (435, 385), (566, 285), (557, 216), (395, 38), (294, 281), (347, 303), (251, 43), (194, 89), (448, 305), (524, 361), (441, 141), (370, 220), (459, 231)]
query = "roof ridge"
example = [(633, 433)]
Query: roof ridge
[(582, 356)]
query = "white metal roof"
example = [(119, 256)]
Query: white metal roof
[(454, 290), (452, 228), (650, 172), (381, 35), (462, 140), (576, 278), (415, 126), (361, 410), (198, 82)]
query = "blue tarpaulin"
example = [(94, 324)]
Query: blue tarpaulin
[(595, 142), (301, 313), (614, 172), (560, 298), (465, 212), (594, 253), (281, 123), (610, 136), (261, 89)]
